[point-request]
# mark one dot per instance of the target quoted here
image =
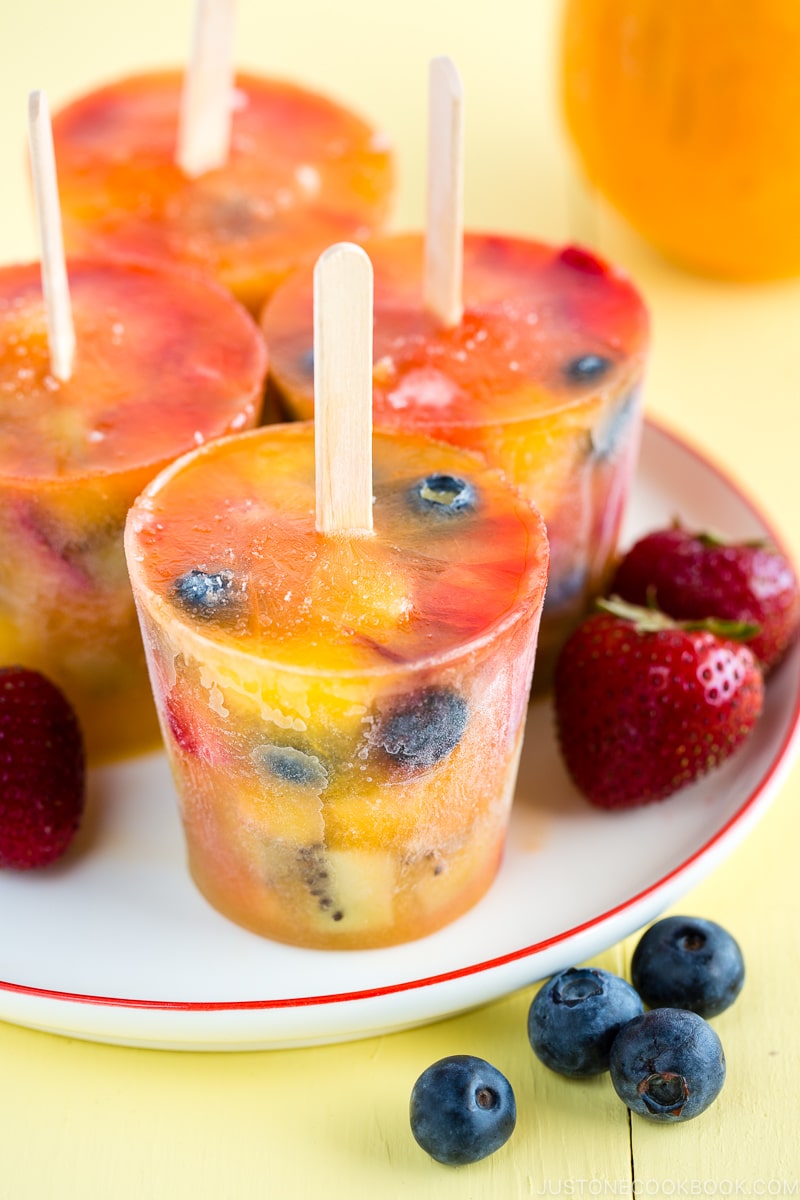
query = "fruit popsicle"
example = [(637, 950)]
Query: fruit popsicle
[(541, 375), (343, 716), (302, 172), (162, 363)]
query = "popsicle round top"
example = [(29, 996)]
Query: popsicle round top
[(544, 329), (302, 172), (163, 362), (223, 546)]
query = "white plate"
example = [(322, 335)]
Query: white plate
[(115, 945)]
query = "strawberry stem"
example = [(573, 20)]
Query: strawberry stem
[(706, 538), (652, 620)]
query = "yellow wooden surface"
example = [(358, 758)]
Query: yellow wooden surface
[(91, 1121)]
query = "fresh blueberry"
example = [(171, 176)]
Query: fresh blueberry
[(686, 962), (613, 432), (574, 1018), (462, 1109), (667, 1065), (446, 495), (291, 765), (204, 593), (587, 368), (423, 728), (307, 362)]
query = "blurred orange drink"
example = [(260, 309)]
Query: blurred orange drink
[(683, 115)]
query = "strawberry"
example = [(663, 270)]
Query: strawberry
[(695, 575), (646, 705), (42, 772)]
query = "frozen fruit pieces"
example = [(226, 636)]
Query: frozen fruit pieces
[(542, 376), (163, 361), (345, 736)]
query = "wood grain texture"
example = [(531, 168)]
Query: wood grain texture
[(741, 1146), (343, 390), (444, 228)]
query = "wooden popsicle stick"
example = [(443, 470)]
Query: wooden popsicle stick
[(343, 287), (444, 237), (55, 284), (204, 125)]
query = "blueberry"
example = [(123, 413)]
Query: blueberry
[(204, 593), (686, 962), (423, 728), (667, 1065), (462, 1109), (587, 368), (574, 1018), (307, 362), (291, 765), (446, 495)]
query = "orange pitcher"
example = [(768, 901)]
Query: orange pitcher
[(685, 117)]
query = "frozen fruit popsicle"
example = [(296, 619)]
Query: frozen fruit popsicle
[(302, 172), (343, 710), (529, 353), (542, 375), (162, 362)]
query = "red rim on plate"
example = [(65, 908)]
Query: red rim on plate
[(726, 837)]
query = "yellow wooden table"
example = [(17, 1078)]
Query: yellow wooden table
[(89, 1121)]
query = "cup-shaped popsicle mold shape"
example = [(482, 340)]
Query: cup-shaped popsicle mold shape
[(163, 362), (343, 715), (302, 173), (542, 376)]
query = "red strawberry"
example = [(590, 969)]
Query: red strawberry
[(42, 773), (645, 706), (694, 575)]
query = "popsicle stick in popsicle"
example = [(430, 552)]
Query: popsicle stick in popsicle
[(444, 235), (55, 284), (204, 125), (343, 289)]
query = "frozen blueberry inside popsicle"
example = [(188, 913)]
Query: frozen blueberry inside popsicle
[(587, 367), (291, 765), (445, 495), (205, 593), (423, 728)]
